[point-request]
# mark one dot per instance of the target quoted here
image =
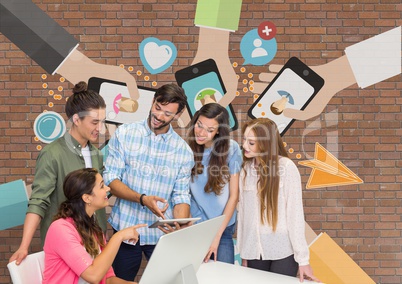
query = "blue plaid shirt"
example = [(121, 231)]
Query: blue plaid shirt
[(147, 163)]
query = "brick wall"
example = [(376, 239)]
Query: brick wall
[(361, 127)]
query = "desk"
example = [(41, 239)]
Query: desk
[(219, 272)]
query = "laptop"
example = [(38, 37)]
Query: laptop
[(178, 255)]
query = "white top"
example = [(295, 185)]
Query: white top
[(255, 239), (376, 59), (87, 156)]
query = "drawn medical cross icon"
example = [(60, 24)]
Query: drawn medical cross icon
[(266, 30)]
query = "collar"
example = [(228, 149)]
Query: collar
[(71, 142), (208, 150), (164, 136)]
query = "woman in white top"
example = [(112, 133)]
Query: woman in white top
[(270, 231)]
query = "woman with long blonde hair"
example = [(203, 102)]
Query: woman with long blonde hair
[(270, 231)]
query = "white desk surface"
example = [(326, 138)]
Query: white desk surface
[(219, 272)]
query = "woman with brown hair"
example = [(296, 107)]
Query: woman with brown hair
[(75, 247), (214, 179)]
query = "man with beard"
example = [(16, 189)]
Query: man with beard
[(148, 169)]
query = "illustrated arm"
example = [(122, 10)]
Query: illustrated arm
[(216, 19), (365, 63), (35, 33), (52, 47)]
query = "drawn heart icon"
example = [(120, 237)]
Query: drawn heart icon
[(157, 55)]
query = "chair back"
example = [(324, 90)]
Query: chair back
[(30, 269)]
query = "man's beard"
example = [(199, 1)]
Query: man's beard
[(164, 123)]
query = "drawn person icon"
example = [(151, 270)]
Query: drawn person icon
[(258, 51)]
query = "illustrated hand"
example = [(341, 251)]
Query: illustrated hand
[(79, 67), (214, 43), (130, 234), (19, 256), (306, 272), (337, 76), (151, 202), (213, 249)]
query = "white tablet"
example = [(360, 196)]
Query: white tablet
[(171, 222)]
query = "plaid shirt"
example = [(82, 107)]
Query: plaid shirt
[(147, 163)]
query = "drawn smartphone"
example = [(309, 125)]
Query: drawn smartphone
[(119, 106), (293, 87), (203, 84)]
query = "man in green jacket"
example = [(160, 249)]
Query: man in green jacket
[(86, 111)]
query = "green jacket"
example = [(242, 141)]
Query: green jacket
[(54, 162)]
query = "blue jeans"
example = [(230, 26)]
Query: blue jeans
[(226, 246), (128, 259)]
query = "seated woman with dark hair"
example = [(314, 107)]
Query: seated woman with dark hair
[(75, 247)]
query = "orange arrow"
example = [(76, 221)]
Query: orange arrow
[(328, 170)]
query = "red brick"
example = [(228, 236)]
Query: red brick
[(317, 32)]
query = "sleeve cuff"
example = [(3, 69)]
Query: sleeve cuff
[(64, 60), (218, 14), (376, 59), (35, 209)]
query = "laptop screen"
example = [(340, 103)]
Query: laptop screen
[(179, 250)]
